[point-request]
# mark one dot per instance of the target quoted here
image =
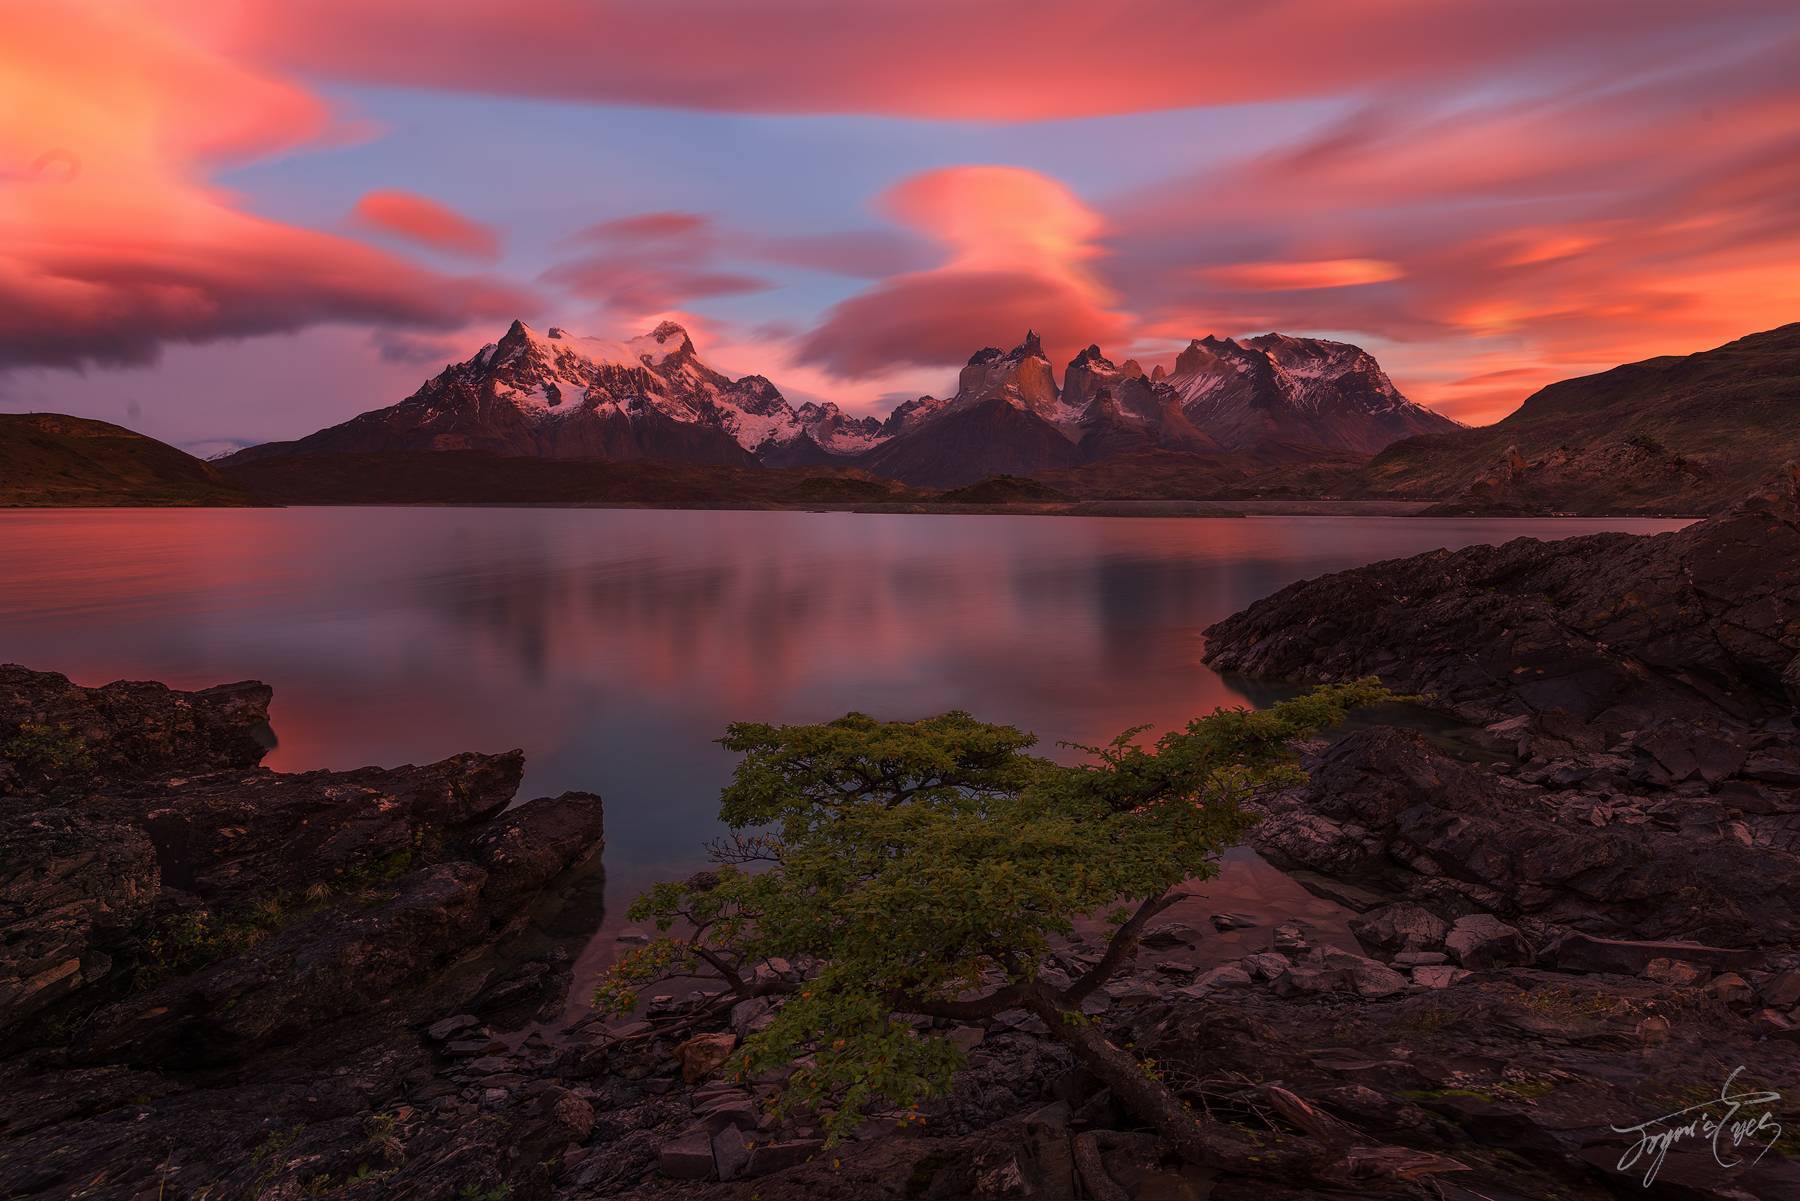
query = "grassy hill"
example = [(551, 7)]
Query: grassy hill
[(52, 460), (1678, 434)]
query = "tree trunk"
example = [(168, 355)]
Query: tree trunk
[(1197, 1139), (1089, 1161)]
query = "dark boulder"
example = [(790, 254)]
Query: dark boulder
[(527, 847), (1607, 633), (59, 737)]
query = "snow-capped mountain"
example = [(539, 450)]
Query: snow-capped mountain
[(1007, 417), (556, 395), (826, 435), (1021, 377), (1301, 391), (1090, 371), (1271, 395)]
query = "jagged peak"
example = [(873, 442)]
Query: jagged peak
[(669, 329), (1090, 356), (1031, 347)]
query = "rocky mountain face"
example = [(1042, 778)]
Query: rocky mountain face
[(1007, 418), (1678, 434), (1304, 391), (1273, 396), (51, 459), (558, 396)]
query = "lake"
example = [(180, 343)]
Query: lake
[(614, 645)]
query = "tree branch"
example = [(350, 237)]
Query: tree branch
[(1124, 939), (998, 1001)]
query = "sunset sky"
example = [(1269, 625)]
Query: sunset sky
[(235, 220)]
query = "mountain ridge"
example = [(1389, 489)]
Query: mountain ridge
[(555, 395)]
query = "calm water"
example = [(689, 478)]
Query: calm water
[(614, 645)]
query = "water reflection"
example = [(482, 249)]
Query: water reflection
[(614, 645)]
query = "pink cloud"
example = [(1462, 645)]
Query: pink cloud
[(1529, 238), (639, 226), (1019, 246), (423, 349), (120, 246), (425, 221), (644, 265), (628, 285), (999, 60)]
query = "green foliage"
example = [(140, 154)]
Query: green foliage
[(270, 1156), (383, 1130), (192, 939), (656, 960), (914, 865), (48, 753), (499, 1192)]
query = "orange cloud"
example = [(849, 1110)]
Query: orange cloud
[(111, 241), (994, 60), (1543, 235), (425, 221), (1020, 246), (1302, 276)]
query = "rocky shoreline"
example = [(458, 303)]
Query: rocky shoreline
[(204, 960), (1579, 913)]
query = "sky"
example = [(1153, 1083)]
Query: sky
[(226, 221)]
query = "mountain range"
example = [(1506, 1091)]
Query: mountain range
[(558, 396), (558, 420)]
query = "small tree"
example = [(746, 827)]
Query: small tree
[(925, 869)]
